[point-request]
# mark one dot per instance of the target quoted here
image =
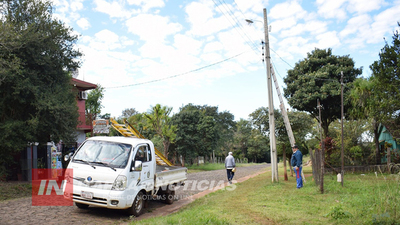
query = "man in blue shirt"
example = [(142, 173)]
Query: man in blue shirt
[(297, 164)]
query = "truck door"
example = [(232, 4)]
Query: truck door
[(147, 174)]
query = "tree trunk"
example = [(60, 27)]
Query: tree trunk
[(284, 162), (291, 169), (166, 146), (376, 140), (388, 159), (182, 160)]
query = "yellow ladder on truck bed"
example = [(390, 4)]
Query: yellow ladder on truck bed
[(128, 130)]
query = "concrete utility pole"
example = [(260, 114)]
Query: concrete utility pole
[(272, 138)]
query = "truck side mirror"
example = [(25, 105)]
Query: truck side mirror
[(68, 156), (137, 165)]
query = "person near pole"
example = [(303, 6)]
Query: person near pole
[(297, 164), (230, 165)]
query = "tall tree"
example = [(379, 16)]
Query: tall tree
[(160, 121), (128, 112), (187, 136), (386, 77), (301, 124), (37, 52), (365, 105), (93, 103), (242, 136), (197, 130), (318, 77)]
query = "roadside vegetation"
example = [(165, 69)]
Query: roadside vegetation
[(364, 199), (12, 190), (213, 166)]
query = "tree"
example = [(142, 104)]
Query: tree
[(93, 103), (242, 136), (386, 78), (198, 130), (187, 137), (301, 124), (158, 117), (365, 105), (37, 52), (126, 113), (318, 77)]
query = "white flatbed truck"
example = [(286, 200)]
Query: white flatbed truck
[(120, 173)]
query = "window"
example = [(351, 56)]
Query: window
[(141, 154), (148, 153), (103, 153)]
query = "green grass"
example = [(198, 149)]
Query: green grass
[(213, 166), (11, 190), (364, 199)]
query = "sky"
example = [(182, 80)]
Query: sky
[(148, 52)]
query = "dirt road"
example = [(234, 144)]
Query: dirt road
[(21, 211)]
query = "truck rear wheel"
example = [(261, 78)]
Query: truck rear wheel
[(170, 197), (137, 206)]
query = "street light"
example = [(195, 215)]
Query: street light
[(272, 138)]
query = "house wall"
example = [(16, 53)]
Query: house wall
[(80, 137), (386, 137)]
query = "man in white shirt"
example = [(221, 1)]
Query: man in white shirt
[(229, 165)]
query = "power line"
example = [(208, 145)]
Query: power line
[(281, 58), (177, 75), (251, 44)]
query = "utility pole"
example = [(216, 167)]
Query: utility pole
[(272, 139), (341, 91), (322, 155)]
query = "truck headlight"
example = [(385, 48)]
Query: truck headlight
[(119, 183)]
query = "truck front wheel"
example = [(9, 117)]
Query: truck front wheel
[(81, 206), (138, 204)]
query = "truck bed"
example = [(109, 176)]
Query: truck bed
[(166, 175)]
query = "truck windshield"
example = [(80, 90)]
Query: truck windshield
[(103, 153)]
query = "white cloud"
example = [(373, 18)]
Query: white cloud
[(146, 4), (332, 9), (362, 6), (212, 47), (251, 5), (356, 24), (328, 40), (83, 23), (107, 36), (384, 23), (187, 44), (295, 45), (364, 29), (152, 27), (201, 16), (312, 27), (113, 9), (283, 24), (287, 10), (106, 40), (76, 5)]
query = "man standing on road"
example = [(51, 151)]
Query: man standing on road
[(229, 165), (297, 164)]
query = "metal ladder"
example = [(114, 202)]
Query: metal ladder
[(128, 130), (283, 110)]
